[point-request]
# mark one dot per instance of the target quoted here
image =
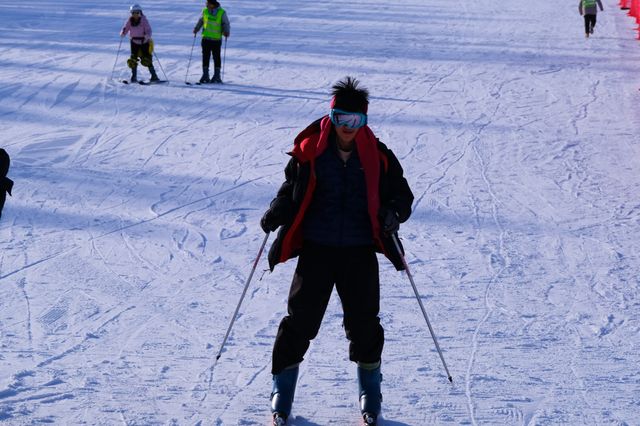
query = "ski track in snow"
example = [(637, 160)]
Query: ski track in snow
[(134, 220)]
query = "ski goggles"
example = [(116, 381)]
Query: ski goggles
[(352, 120)]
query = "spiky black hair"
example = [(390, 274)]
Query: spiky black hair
[(348, 96)]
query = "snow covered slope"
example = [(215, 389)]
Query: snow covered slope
[(134, 220)]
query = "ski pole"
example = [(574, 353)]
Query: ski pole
[(190, 56), (117, 55), (244, 292), (224, 57), (424, 312), (158, 59)]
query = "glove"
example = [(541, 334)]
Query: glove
[(389, 221), (6, 185), (279, 213), (269, 222), (226, 35)]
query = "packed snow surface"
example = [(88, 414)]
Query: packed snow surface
[(134, 221)]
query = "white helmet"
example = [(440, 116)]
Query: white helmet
[(135, 8)]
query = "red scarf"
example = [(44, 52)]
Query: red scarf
[(307, 147)]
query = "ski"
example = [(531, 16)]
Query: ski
[(197, 83), (208, 83), (148, 83)]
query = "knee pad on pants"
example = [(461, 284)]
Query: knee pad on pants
[(146, 61)]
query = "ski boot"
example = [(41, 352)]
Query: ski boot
[(369, 419), (134, 75), (279, 420), (205, 75), (154, 76), (284, 389), (216, 76), (369, 378)]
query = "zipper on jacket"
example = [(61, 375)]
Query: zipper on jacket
[(344, 200)]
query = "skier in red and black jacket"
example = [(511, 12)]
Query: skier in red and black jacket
[(343, 199)]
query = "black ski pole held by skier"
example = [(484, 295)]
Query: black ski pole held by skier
[(162, 69), (424, 312), (190, 56), (244, 292), (117, 55), (224, 57)]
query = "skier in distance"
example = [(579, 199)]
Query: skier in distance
[(589, 9), (139, 30), (215, 24)]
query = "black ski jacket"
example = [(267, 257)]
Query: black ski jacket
[(291, 201)]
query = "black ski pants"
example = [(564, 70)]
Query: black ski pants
[(354, 272), (140, 51), (589, 23), (209, 48)]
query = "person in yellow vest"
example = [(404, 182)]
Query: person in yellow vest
[(215, 24), (589, 9)]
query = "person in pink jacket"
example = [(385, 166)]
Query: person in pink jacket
[(141, 44)]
